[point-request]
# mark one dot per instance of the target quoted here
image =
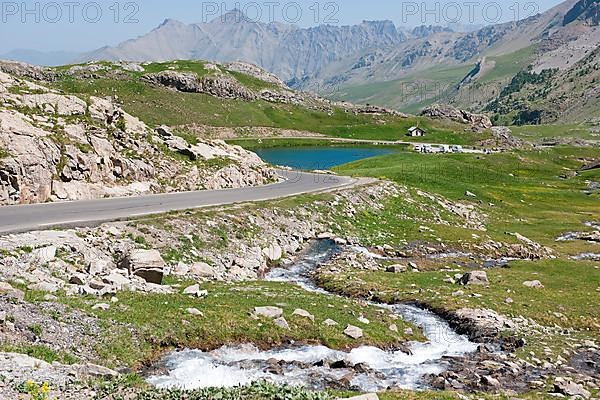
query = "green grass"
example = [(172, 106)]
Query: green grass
[(508, 65), (538, 133), (569, 299), (4, 153), (411, 93), (521, 192), (570, 291), (159, 319)]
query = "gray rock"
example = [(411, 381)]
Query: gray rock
[(330, 323), (303, 313), (117, 279), (353, 332), (533, 284), (101, 306), (22, 361), (490, 381), (396, 269), (274, 252), (368, 396), (448, 112), (195, 312), (77, 279), (7, 290), (147, 264), (202, 270), (94, 371), (570, 388), (475, 278), (268, 312), (195, 291), (282, 323), (45, 254)]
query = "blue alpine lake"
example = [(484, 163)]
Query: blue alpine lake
[(318, 158)]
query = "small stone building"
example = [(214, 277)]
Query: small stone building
[(415, 131)]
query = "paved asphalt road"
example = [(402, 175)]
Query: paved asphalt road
[(25, 218)]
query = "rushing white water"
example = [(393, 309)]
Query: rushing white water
[(366, 368)]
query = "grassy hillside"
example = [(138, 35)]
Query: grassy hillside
[(409, 94), (419, 89), (550, 95), (157, 105), (523, 192)]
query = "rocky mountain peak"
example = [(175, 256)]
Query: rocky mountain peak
[(170, 23), (234, 16), (588, 10), (423, 31)]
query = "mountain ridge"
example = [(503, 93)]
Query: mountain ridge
[(286, 50)]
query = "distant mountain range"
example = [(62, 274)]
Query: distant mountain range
[(285, 50), (379, 63), (44, 58)]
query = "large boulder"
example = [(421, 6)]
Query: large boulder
[(147, 264), (480, 324), (475, 278)]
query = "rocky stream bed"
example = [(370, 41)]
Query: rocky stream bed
[(317, 367)]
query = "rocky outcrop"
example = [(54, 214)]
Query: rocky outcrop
[(450, 113), (503, 139), (23, 70), (55, 147), (226, 87), (219, 85)]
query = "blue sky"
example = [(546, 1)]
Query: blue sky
[(86, 25)]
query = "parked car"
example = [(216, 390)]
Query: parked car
[(444, 148), (457, 149)]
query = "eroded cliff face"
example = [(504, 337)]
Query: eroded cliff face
[(57, 147)]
